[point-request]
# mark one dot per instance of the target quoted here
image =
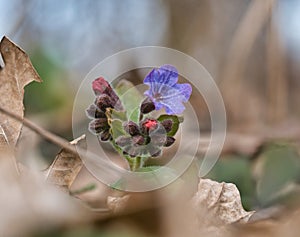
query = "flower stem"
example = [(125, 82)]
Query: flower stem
[(137, 163)]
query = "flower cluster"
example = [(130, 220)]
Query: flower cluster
[(105, 98), (141, 135), (147, 138)]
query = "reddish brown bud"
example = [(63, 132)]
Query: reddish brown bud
[(147, 106), (105, 135), (131, 128), (102, 87), (169, 141), (98, 125), (167, 124), (138, 139), (103, 101), (148, 125), (94, 112)]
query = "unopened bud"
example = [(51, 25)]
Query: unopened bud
[(94, 112), (169, 141), (131, 128), (105, 135), (103, 101), (98, 125), (167, 124), (138, 139), (147, 106), (148, 125)]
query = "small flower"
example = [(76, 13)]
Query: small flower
[(148, 125), (105, 98), (164, 90), (146, 139)]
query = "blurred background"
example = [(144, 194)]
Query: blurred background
[(251, 48)]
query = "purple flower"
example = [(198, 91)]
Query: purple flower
[(164, 90)]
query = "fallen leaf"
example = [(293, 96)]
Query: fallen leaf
[(16, 74), (66, 166), (3, 140), (6, 152), (219, 204)]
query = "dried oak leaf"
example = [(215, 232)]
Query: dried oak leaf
[(219, 204), (66, 166), (14, 76)]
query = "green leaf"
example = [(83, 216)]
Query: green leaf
[(176, 121), (280, 167), (236, 169), (131, 99), (117, 129)]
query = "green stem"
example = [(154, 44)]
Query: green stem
[(136, 163)]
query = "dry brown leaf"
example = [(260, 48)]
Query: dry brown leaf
[(66, 166), (3, 140), (6, 152), (16, 74), (219, 204)]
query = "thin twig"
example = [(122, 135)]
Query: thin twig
[(107, 168)]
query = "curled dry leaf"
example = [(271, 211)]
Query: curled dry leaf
[(219, 204), (66, 166), (16, 74)]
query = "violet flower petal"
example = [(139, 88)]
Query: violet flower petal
[(164, 90)]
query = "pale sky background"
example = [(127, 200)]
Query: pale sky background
[(62, 26)]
